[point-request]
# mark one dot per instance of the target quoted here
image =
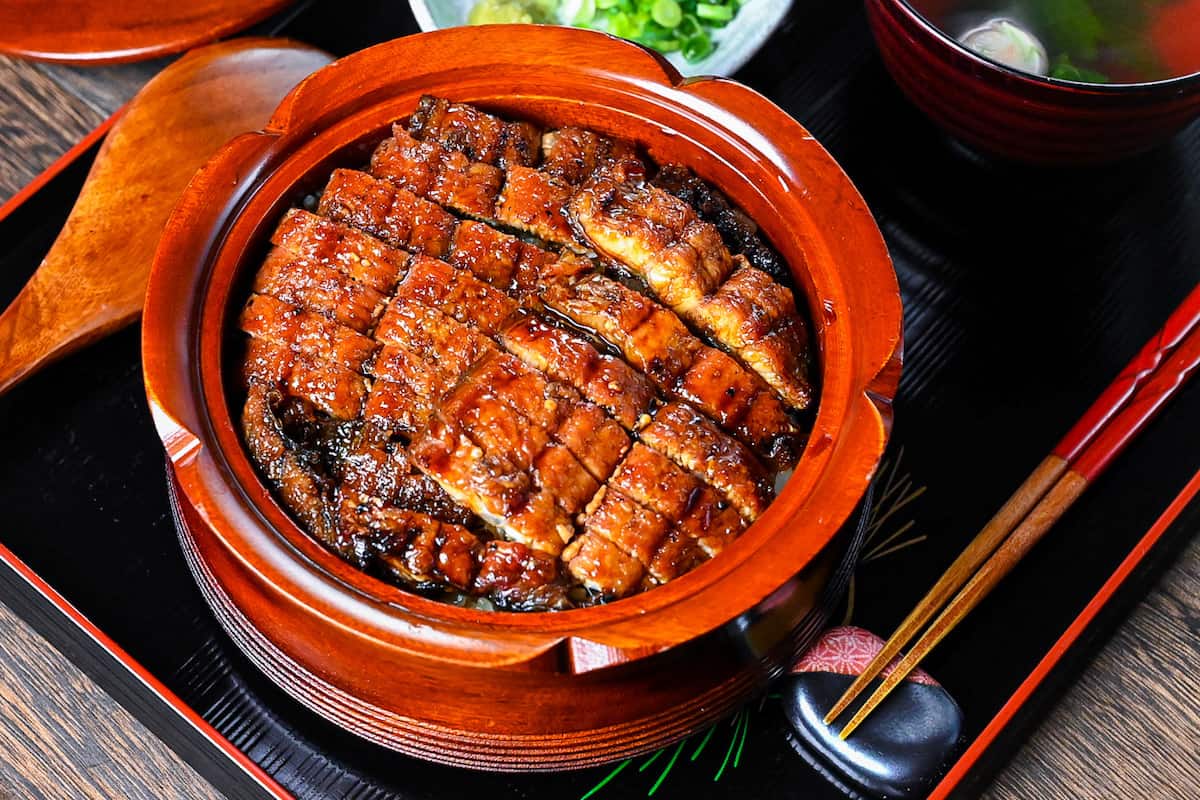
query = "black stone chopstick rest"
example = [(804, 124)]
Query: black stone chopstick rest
[(899, 751)]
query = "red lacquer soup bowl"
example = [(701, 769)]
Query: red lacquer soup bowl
[(1024, 117), (501, 690)]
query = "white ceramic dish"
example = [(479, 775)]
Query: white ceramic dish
[(735, 43)]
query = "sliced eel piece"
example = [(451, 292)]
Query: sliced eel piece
[(534, 202), (531, 201), (421, 493), (656, 482), (266, 364), (519, 197), (770, 431), (374, 463), (601, 566), (475, 133), (655, 341), (654, 234), (504, 261), (485, 481), (477, 407), (406, 392), (693, 442), (424, 355), (678, 553), (739, 232), (573, 154), (597, 441), (395, 215), (489, 254), (377, 468), (425, 377), (509, 409), (419, 549), (685, 263), (316, 287), (431, 334), (718, 385), (313, 334), (303, 490), (517, 577), (429, 170), (756, 318), (742, 404), (712, 521), (356, 254), (651, 338), (702, 521), (632, 527), (558, 472), (570, 358), (333, 389), (456, 293), (394, 406)]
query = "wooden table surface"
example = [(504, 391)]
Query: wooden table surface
[(1128, 728)]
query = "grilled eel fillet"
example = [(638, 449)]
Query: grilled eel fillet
[(740, 402), (599, 186), (454, 436)]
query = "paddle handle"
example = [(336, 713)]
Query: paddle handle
[(34, 332)]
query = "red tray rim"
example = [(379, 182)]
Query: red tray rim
[(949, 783)]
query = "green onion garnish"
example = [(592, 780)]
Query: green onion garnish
[(668, 26)]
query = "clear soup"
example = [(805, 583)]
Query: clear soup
[(1091, 41)]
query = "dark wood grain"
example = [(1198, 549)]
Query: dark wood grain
[(1126, 729), (62, 736), (39, 121), (104, 88), (1129, 726)]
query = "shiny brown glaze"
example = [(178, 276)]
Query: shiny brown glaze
[(391, 307)]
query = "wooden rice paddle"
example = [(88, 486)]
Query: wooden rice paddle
[(93, 280), (115, 31), (1118, 415)]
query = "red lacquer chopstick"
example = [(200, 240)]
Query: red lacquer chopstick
[(1113, 420)]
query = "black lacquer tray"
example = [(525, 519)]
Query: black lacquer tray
[(1025, 292)]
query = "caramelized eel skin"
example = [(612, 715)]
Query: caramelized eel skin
[(446, 389)]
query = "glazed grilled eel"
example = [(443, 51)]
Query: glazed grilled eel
[(468, 411), (644, 228)]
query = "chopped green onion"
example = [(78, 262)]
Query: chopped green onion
[(696, 48), (683, 26), (713, 12), (666, 13), (586, 13)]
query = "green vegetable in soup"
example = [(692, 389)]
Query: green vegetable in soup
[(1091, 41), (1109, 34), (1069, 25), (1063, 69)]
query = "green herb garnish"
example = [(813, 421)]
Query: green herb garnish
[(668, 26)]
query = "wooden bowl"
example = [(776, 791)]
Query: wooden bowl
[(500, 690), (1013, 114)]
